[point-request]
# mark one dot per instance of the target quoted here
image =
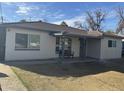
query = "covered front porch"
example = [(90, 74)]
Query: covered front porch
[(76, 46)]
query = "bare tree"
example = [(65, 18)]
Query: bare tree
[(95, 19), (120, 14), (85, 27), (78, 24)]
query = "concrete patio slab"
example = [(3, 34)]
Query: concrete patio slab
[(56, 60)]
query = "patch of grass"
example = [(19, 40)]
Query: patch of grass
[(19, 77)]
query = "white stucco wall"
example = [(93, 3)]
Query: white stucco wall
[(47, 46), (113, 52), (93, 47)]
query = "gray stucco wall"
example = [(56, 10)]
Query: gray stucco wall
[(93, 47), (111, 52), (98, 48)]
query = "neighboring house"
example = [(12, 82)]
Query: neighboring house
[(40, 40)]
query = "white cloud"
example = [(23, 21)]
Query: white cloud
[(42, 11), (59, 16), (14, 3), (7, 3), (71, 21), (24, 9)]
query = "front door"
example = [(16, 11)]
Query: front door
[(82, 47)]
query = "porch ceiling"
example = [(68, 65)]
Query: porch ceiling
[(82, 36)]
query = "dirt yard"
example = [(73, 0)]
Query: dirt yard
[(75, 76)]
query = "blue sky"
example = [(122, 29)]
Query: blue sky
[(57, 12)]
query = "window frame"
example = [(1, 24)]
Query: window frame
[(28, 42), (113, 43), (122, 44)]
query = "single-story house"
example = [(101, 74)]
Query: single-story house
[(41, 40)]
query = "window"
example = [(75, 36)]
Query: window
[(34, 41), (111, 43), (27, 41), (21, 40), (114, 44)]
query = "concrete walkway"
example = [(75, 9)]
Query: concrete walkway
[(8, 79)]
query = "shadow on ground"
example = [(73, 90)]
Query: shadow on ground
[(3, 75), (74, 69)]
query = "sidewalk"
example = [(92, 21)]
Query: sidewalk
[(8, 79)]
